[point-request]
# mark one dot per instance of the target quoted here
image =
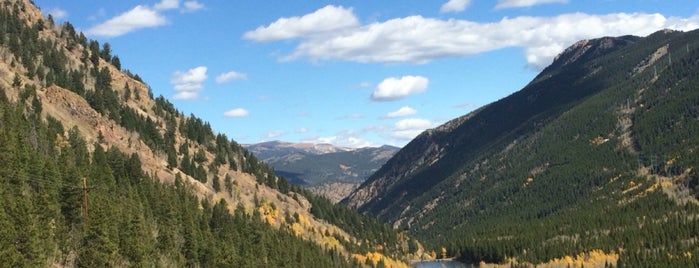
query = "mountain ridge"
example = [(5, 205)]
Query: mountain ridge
[(102, 116), (599, 140), (517, 103), (325, 169)]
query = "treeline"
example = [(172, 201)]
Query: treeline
[(128, 219)]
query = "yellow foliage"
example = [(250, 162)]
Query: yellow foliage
[(269, 213), (297, 228), (270, 219), (592, 258), (375, 257), (304, 220), (331, 242)]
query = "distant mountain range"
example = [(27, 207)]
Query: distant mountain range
[(324, 168)]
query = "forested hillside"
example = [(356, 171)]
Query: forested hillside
[(594, 162), (97, 173)]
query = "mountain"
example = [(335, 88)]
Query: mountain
[(97, 172), (595, 159), (323, 168), (271, 149)]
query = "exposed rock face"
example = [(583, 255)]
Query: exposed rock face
[(335, 191)]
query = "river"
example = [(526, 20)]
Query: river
[(440, 264)]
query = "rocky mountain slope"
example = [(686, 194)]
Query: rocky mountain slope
[(596, 154), (66, 99), (322, 168)]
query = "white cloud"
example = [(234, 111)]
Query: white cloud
[(403, 111), (237, 112), (392, 88), (134, 19), (189, 83), (417, 39), (324, 20), (524, 3), (347, 138), (186, 95), (230, 76), (407, 129), (274, 134), (58, 13), (301, 130), (167, 4), (455, 6), (191, 6)]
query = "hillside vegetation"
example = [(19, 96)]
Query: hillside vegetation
[(98, 172), (324, 169), (597, 154)]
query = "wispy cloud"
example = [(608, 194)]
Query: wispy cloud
[(167, 4), (351, 116), (345, 138), (455, 6), (191, 6), (58, 13), (407, 129), (237, 112), (188, 84), (403, 111), (524, 3), (274, 134), (230, 76), (416, 39), (391, 89)]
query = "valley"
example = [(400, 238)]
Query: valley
[(592, 164), (324, 169)]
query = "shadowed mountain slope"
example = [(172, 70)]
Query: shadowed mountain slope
[(597, 153)]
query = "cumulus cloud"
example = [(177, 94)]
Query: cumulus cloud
[(324, 20), (301, 130), (455, 6), (524, 3), (140, 17), (416, 39), (137, 18), (237, 112), (230, 76), (407, 129), (189, 83), (403, 111), (392, 88)]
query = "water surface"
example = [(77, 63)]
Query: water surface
[(440, 264)]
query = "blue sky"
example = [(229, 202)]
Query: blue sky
[(350, 73)]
